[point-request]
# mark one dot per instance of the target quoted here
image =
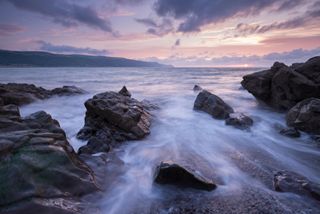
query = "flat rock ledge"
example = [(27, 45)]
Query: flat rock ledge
[(40, 172), (182, 176), (112, 118), (22, 94)]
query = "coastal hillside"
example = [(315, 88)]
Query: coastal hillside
[(45, 59)]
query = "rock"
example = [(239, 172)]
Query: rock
[(21, 94), (94, 145), (174, 174), (282, 87), (9, 110), (37, 161), (305, 116), (197, 88), (285, 181), (124, 91), (112, 118), (290, 132), (239, 121), (212, 105), (67, 91)]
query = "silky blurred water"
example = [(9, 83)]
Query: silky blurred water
[(178, 133)]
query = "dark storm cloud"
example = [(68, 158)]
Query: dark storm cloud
[(195, 14), (46, 46), (311, 16), (65, 12), (165, 26), (9, 29), (148, 22)]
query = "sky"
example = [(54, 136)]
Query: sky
[(184, 33)]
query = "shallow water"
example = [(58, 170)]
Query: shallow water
[(178, 133)]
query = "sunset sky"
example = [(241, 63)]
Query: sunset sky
[(176, 32)]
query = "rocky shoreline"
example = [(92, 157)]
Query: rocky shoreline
[(40, 171)]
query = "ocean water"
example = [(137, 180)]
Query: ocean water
[(178, 133)]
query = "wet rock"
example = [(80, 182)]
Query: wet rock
[(197, 88), (9, 110), (212, 105), (282, 87), (181, 176), (94, 145), (37, 161), (305, 116), (290, 132), (124, 91), (67, 91), (21, 94), (285, 181), (239, 121), (112, 118)]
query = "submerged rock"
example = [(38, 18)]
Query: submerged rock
[(290, 132), (197, 88), (112, 118), (37, 161), (239, 121), (282, 87), (285, 181), (212, 105), (181, 176), (305, 116), (21, 94)]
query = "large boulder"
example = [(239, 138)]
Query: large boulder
[(282, 87), (305, 116), (212, 105), (37, 162), (21, 94), (112, 118), (182, 176), (285, 181)]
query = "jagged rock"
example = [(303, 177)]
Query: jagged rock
[(305, 116), (37, 161), (212, 105), (112, 118), (239, 120), (290, 132), (182, 176), (124, 91), (197, 88), (282, 87), (285, 181), (21, 94)]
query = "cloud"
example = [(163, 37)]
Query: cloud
[(9, 29), (164, 27), (311, 16), (296, 55), (65, 13), (147, 22), (46, 46), (195, 14)]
